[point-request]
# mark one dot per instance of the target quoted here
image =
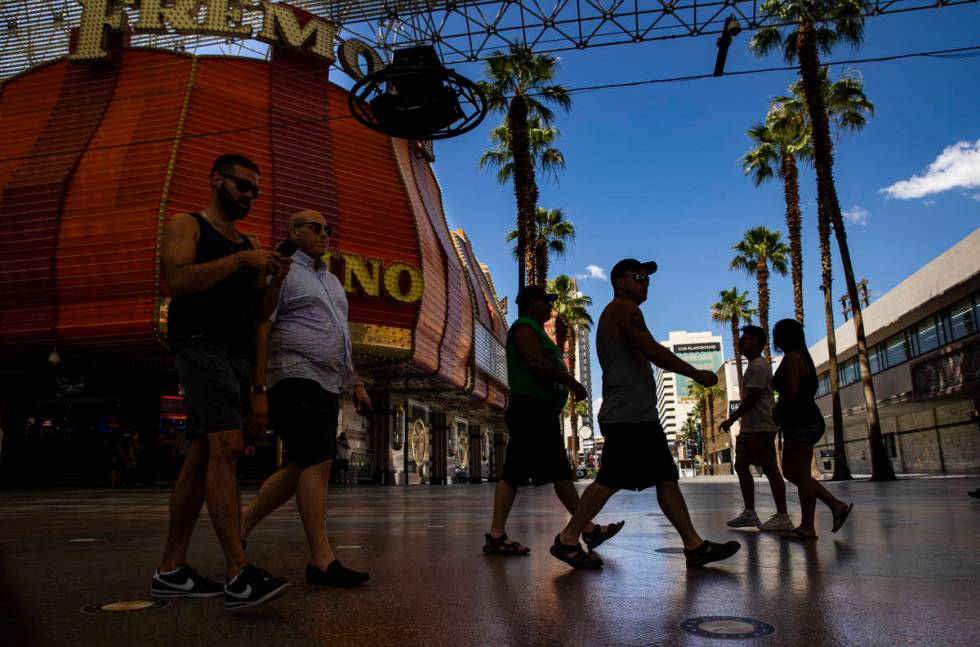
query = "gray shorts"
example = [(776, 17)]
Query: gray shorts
[(217, 388)]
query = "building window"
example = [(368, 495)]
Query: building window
[(877, 359), (926, 336), (961, 320), (848, 372), (890, 445), (896, 350), (823, 384)]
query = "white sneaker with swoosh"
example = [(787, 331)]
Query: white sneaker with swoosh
[(252, 586)]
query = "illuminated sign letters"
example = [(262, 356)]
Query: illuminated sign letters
[(280, 26), (370, 277)]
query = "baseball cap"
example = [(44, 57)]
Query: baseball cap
[(529, 292), (631, 265)]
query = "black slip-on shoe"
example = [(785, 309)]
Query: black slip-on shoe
[(252, 586), (185, 583), (336, 575)]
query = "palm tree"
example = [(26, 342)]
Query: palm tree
[(518, 85), (546, 158), (779, 142), (704, 396), (571, 317), (552, 235), (815, 26), (733, 308), (691, 429), (846, 106), (757, 251)]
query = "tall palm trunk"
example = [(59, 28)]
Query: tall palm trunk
[(525, 187), (842, 471), (541, 262), (704, 440), (881, 467), (762, 285), (738, 356), (794, 220), (573, 416), (561, 334)]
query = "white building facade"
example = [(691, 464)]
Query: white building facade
[(924, 351)]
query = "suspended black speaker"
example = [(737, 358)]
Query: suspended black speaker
[(417, 98)]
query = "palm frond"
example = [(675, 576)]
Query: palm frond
[(764, 41)]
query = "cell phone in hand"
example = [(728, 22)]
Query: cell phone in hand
[(287, 247)]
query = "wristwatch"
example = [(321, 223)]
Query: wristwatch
[(259, 388)]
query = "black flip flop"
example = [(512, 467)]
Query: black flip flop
[(841, 518), (573, 555), (597, 536)]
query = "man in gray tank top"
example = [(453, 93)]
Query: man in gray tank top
[(635, 455)]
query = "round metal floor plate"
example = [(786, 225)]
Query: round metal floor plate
[(117, 607), (727, 627)]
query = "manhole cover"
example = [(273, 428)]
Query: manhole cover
[(670, 551), (115, 607), (727, 627)]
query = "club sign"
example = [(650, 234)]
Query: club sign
[(280, 26)]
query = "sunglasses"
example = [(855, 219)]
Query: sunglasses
[(243, 185), (315, 227), (639, 278)]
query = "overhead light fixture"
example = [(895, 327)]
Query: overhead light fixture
[(729, 31), (417, 98), (54, 358)]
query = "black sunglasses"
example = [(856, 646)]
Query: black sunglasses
[(315, 227), (243, 185), (639, 278)]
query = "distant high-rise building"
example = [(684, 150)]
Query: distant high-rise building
[(700, 349)]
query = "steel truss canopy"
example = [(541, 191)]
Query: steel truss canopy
[(34, 31)]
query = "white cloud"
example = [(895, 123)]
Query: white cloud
[(928, 203), (957, 167), (976, 196), (856, 215), (595, 272)]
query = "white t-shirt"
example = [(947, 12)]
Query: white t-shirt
[(758, 375)]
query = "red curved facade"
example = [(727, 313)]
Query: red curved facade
[(96, 158)]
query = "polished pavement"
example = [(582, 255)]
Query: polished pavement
[(905, 570)]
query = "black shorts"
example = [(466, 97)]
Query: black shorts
[(217, 388), (536, 449), (304, 415), (635, 456)]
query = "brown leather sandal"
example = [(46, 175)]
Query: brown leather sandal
[(500, 546)]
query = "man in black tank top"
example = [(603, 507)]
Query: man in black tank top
[(222, 285)]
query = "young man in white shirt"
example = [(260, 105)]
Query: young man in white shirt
[(756, 444)]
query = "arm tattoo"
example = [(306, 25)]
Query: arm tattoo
[(636, 320)]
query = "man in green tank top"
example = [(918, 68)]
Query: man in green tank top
[(539, 386)]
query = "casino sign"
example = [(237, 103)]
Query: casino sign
[(104, 145)]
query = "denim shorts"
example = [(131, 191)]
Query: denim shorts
[(810, 434)]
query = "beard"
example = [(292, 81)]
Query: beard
[(236, 209)]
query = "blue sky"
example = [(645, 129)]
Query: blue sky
[(654, 172)]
